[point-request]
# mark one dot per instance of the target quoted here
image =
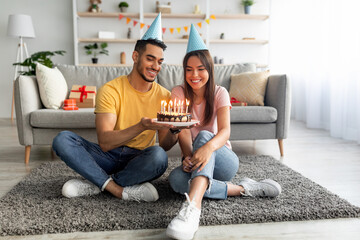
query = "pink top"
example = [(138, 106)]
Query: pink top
[(222, 99)]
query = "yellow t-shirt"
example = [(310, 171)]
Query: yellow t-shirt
[(130, 105)]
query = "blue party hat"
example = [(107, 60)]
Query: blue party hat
[(154, 31), (195, 41)]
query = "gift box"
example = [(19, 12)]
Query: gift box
[(84, 95), (236, 102)]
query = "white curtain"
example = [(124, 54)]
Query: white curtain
[(317, 44)]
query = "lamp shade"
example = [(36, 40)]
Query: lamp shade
[(20, 25)]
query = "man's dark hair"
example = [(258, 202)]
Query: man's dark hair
[(141, 45)]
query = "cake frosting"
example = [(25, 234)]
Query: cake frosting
[(173, 117)]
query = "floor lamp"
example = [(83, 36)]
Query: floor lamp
[(20, 26)]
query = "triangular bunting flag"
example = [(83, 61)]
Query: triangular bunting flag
[(199, 24), (128, 20), (163, 29), (135, 22), (207, 21), (186, 28), (142, 25), (171, 30), (212, 17), (121, 16), (178, 30)]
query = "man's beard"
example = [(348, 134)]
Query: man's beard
[(147, 80), (143, 76)]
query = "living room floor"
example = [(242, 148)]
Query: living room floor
[(332, 163)]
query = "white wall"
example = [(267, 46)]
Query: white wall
[(52, 21)]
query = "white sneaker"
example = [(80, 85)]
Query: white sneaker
[(186, 223), (264, 188), (79, 188), (142, 192)]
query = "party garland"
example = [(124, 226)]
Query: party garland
[(178, 29)]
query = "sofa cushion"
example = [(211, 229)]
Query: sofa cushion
[(223, 72), (249, 87), (91, 76), (172, 74), (52, 86), (253, 114), (49, 118)]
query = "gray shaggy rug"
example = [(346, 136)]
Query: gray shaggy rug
[(36, 206)]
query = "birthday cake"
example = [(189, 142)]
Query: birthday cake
[(174, 111), (173, 117)]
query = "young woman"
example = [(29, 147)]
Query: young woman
[(208, 161)]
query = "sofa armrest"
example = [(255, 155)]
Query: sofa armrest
[(278, 95), (27, 100)]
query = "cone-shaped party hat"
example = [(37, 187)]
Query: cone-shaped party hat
[(195, 41), (154, 31)]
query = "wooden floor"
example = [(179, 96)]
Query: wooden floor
[(330, 162)]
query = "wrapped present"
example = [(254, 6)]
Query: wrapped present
[(236, 102), (84, 95), (70, 104)]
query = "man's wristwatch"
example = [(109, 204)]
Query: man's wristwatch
[(175, 131)]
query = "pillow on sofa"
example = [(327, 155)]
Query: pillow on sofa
[(52, 86), (249, 87)]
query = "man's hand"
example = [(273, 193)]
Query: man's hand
[(150, 124)]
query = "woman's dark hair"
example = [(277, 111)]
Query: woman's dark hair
[(206, 60), (140, 45)]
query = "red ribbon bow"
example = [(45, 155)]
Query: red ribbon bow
[(83, 92), (234, 100)]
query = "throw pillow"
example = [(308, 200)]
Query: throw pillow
[(52, 86), (249, 87)]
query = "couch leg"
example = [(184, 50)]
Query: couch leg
[(27, 154), (280, 141)]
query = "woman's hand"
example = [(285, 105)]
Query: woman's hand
[(187, 165), (200, 158)]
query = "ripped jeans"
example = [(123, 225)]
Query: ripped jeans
[(222, 167)]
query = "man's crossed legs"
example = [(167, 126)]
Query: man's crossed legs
[(124, 172)]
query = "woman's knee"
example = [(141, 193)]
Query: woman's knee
[(203, 137)]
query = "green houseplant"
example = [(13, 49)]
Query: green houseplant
[(247, 4), (43, 57), (94, 49), (123, 6)]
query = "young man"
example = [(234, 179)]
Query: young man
[(125, 160)]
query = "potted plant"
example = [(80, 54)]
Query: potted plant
[(247, 4), (38, 57), (123, 6), (94, 49)]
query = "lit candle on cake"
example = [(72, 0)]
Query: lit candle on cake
[(182, 106), (187, 105), (170, 106), (162, 106), (165, 103), (175, 106)]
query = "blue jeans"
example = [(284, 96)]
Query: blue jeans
[(222, 167), (126, 166)]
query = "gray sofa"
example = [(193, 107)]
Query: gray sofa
[(38, 126)]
